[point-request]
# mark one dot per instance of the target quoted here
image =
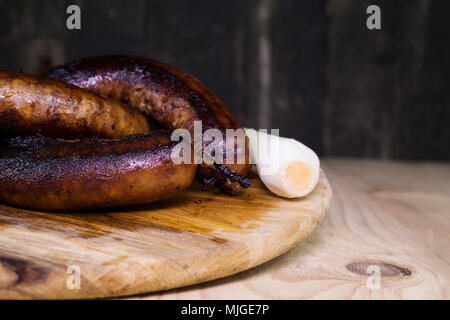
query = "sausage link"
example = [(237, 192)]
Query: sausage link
[(53, 174), (30, 105), (172, 97)]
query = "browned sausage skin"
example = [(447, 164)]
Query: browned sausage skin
[(30, 105), (53, 174), (172, 97)]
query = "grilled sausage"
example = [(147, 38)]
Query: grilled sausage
[(54, 174), (30, 105), (172, 97)]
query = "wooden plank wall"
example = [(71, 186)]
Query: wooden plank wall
[(310, 68)]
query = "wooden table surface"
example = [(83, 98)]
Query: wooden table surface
[(387, 236)]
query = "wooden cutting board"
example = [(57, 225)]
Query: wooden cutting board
[(195, 237)]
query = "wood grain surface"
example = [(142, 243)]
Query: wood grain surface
[(195, 237), (393, 215)]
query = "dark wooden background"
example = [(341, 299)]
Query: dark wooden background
[(310, 68)]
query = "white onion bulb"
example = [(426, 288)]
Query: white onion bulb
[(287, 167)]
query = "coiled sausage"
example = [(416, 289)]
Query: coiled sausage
[(30, 105), (172, 97), (54, 174)]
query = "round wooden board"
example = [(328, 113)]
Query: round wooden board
[(195, 237)]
